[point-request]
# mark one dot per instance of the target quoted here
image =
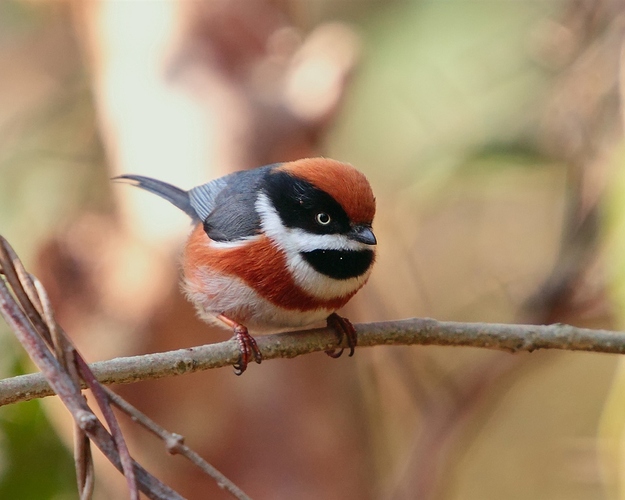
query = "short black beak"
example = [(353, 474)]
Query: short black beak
[(363, 234)]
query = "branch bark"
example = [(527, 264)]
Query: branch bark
[(414, 331)]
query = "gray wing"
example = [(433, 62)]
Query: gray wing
[(227, 205), (202, 198)]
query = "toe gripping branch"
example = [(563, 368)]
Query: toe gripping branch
[(247, 345), (343, 328), (248, 348)]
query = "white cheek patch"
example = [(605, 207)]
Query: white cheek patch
[(307, 242), (296, 239), (293, 241)]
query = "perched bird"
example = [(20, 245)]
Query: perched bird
[(280, 246)]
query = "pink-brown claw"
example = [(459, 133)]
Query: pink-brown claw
[(248, 348), (247, 344), (336, 353), (343, 328)]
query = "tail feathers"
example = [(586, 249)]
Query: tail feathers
[(172, 194)]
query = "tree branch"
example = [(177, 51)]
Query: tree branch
[(415, 331)]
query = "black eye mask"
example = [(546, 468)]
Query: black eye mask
[(298, 204)]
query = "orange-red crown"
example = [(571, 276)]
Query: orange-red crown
[(348, 186)]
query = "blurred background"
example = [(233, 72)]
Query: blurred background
[(491, 132)]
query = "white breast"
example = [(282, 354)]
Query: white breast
[(215, 294)]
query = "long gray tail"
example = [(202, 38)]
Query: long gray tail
[(172, 194)]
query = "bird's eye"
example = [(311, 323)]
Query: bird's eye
[(323, 218)]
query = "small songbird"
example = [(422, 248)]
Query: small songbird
[(280, 246)]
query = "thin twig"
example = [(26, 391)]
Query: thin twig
[(104, 403), (414, 331), (71, 396), (175, 445), (28, 313), (34, 301), (24, 309), (65, 353)]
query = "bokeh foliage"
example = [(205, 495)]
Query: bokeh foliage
[(445, 114)]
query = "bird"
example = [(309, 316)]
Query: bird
[(277, 247)]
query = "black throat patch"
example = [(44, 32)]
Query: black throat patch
[(339, 264)]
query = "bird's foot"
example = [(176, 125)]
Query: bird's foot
[(247, 345), (343, 328), (248, 348)]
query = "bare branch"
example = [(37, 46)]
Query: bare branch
[(414, 331), (175, 445), (19, 304), (26, 308)]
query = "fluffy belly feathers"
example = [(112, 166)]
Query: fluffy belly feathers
[(262, 295)]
